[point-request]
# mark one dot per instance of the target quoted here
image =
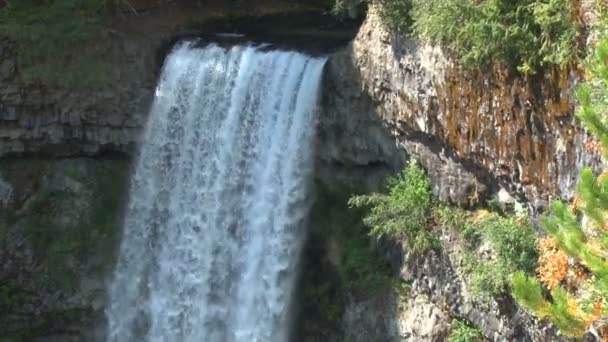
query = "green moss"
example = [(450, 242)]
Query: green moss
[(11, 297), (58, 322), (46, 34)]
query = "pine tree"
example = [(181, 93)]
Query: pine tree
[(572, 286)]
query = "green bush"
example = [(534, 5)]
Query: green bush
[(449, 217), (512, 240), (405, 212), (486, 279), (464, 332), (398, 15), (525, 33)]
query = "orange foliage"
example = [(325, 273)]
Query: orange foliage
[(596, 314), (552, 263)]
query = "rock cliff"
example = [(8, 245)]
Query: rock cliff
[(476, 131), (386, 98)]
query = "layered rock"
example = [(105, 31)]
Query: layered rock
[(59, 119), (68, 121), (476, 131), (385, 98)]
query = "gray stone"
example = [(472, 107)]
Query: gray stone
[(7, 69), (6, 193), (460, 124)]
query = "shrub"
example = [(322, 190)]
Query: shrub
[(361, 266), (398, 15), (486, 279), (512, 240), (464, 332), (405, 212), (524, 33)]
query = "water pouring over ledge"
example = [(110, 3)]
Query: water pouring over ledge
[(219, 195)]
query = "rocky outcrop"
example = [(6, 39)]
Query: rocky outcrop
[(65, 150), (108, 115), (479, 133), (68, 121), (356, 288), (476, 131), (386, 98), (59, 225)]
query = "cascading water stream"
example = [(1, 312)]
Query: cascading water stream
[(214, 226)]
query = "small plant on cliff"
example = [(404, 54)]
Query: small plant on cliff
[(405, 212), (511, 239), (464, 332), (573, 264)]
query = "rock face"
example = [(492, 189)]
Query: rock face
[(385, 99), (479, 133), (358, 289), (76, 120), (58, 235), (65, 150), (70, 122), (476, 131)]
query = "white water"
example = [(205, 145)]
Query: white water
[(214, 227)]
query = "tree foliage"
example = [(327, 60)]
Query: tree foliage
[(463, 331), (574, 259), (405, 212)]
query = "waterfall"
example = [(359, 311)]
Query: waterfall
[(218, 199)]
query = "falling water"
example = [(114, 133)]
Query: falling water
[(214, 227)]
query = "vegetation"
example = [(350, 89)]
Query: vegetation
[(341, 261), (59, 243), (528, 34), (362, 267), (405, 212), (572, 285), (46, 34), (464, 332), (408, 213), (511, 240), (11, 297)]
